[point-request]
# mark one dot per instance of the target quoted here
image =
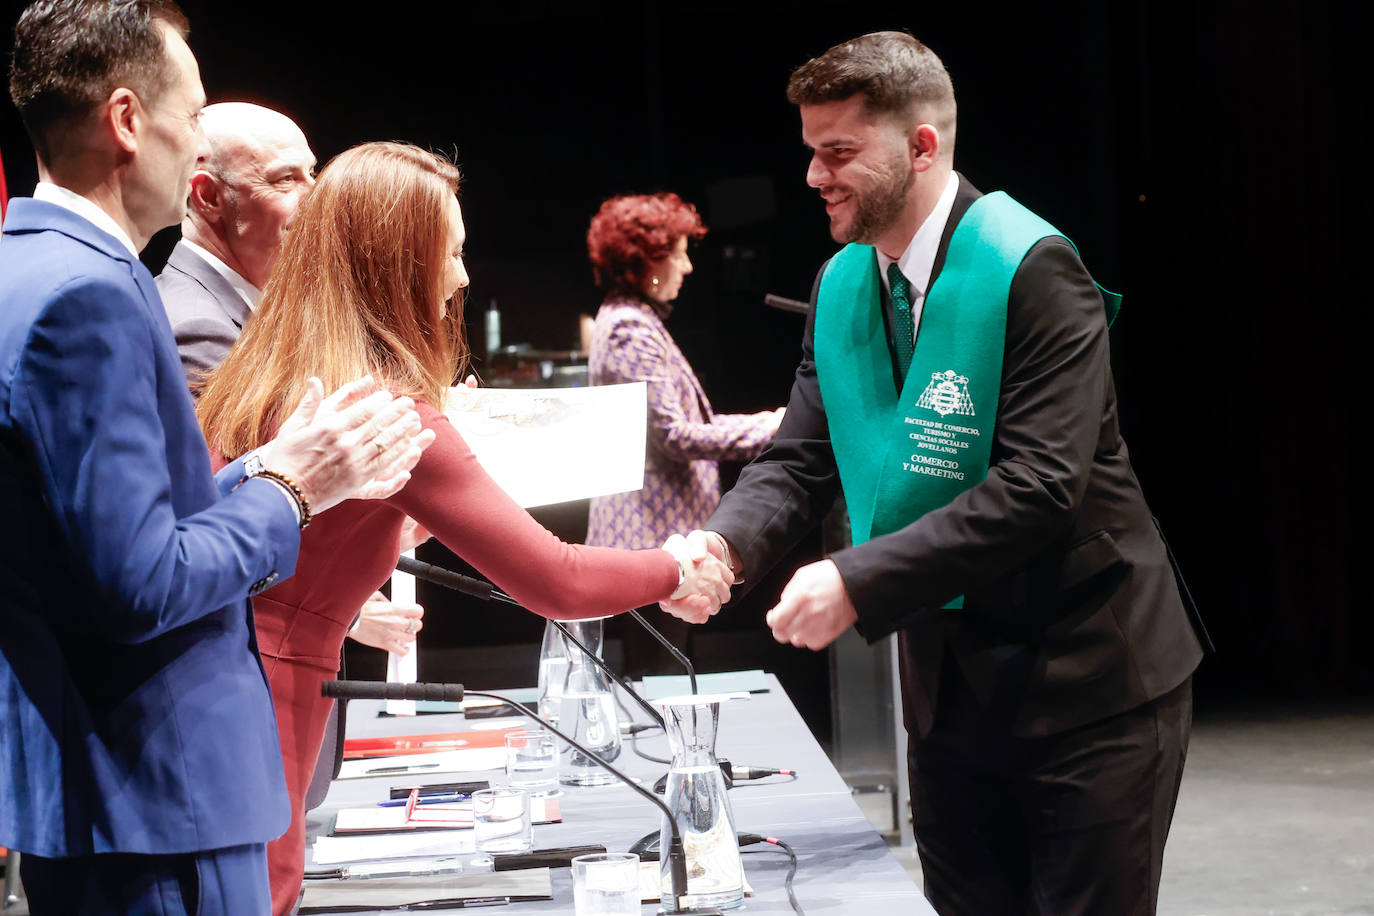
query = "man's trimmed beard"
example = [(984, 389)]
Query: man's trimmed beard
[(875, 210)]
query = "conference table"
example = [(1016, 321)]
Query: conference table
[(843, 865)]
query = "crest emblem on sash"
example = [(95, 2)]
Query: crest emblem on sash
[(947, 393)]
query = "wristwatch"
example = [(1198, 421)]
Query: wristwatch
[(253, 467)]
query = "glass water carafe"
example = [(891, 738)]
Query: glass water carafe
[(553, 672), (587, 713), (696, 795)]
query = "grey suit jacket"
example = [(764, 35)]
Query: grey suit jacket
[(206, 313)]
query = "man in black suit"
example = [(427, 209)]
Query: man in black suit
[(1046, 652)]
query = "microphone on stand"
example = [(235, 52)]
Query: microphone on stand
[(438, 575), (375, 690), (385, 690), (672, 649)]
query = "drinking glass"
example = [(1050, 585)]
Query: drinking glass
[(501, 821), (606, 884), (532, 762)]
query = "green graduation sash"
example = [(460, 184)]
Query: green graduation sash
[(900, 455)]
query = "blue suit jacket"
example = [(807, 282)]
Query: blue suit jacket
[(134, 714)]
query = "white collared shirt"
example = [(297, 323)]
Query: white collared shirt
[(67, 199), (250, 293), (918, 260)]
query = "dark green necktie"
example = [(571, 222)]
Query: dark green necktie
[(903, 331)]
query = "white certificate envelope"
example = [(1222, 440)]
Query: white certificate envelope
[(553, 445)]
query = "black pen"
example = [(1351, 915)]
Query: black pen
[(402, 769), (457, 903)]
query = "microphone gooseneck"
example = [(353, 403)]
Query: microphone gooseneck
[(672, 649), (479, 588), (610, 672), (438, 575), (485, 591), (377, 690), (787, 305)]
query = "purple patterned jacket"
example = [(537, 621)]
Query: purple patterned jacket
[(681, 483)]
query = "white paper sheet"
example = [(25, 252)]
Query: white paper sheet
[(552, 445), (474, 758), (402, 669), (455, 816), (376, 819), (333, 850)]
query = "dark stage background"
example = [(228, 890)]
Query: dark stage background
[(1210, 160)]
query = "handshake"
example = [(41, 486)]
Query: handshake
[(704, 559), (813, 610)]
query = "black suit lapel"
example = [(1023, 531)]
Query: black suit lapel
[(963, 199)]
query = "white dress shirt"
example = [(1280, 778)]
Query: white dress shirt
[(918, 260), (50, 193)]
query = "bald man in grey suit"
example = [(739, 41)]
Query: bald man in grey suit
[(243, 197)]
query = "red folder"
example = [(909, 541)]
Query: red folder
[(359, 748)]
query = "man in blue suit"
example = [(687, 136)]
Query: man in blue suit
[(139, 768)]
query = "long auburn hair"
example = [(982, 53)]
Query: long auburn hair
[(357, 289)]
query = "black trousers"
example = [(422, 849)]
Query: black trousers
[(1071, 823)]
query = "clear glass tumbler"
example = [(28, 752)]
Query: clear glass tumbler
[(606, 884), (501, 821), (532, 762)]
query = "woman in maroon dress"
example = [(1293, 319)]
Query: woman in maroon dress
[(370, 280)]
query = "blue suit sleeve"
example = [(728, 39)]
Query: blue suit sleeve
[(162, 553), (227, 477)]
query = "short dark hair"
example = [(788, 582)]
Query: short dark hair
[(893, 72), (69, 55)]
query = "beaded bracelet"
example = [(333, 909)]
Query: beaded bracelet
[(302, 504)]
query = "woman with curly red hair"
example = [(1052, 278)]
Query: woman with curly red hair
[(638, 249)]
